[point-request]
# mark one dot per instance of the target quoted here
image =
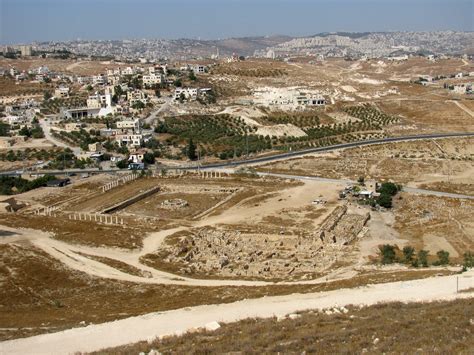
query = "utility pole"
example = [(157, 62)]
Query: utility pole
[(199, 159), (247, 142)]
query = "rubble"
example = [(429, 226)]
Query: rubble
[(231, 253), (174, 204)]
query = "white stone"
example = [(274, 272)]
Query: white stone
[(212, 326)]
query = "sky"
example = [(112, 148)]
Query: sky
[(25, 21)]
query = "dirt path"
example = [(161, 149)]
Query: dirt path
[(464, 108), (152, 325), (344, 181)]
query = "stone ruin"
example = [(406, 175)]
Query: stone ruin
[(233, 254), (174, 204)]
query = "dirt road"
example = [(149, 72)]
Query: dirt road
[(152, 325)]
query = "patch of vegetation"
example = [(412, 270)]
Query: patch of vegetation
[(387, 191), (369, 114), (4, 129), (67, 160), (390, 254), (220, 135), (34, 132), (250, 72), (53, 105), (81, 138), (30, 154), (14, 185)]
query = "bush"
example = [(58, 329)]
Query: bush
[(122, 164), (408, 253), (385, 200), (468, 261), (387, 253), (389, 188), (443, 258), (423, 257), (149, 158)]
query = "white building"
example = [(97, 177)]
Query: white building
[(198, 69), (100, 79), (186, 93), (129, 71), (26, 51), (84, 80), (15, 120), (152, 79), (98, 101), (129, 140), (61, 92), (130, 124), (135, 96)]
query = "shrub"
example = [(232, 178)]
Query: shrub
[(389, 188), (122, 164), (385, 200), (468, 261), (387, 253), (443, 258), (408, 253), (423, 257)]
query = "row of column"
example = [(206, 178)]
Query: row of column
[(203, 173), (96, 217), (45, 211), (117, 182)]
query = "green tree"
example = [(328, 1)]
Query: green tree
[(443, 257), (122, 164), (24, 131), (138, 105), (468, 261), (423, 257), (385, 200), (47, 95), (149, 158), (4, 129), (191, 150), (387, 254), (408, 253), (192, 76), (389, 188)]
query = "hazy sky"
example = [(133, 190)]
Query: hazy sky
[(39, 20)]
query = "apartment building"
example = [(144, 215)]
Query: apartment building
[(152, 79)]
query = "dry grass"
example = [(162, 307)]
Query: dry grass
[(82, 232), (445, 221), (116, 264), (39, 295), (444, 164), (425, 328)]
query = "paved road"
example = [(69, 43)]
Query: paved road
[(329, 148), (275, 157), (159, 324)]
